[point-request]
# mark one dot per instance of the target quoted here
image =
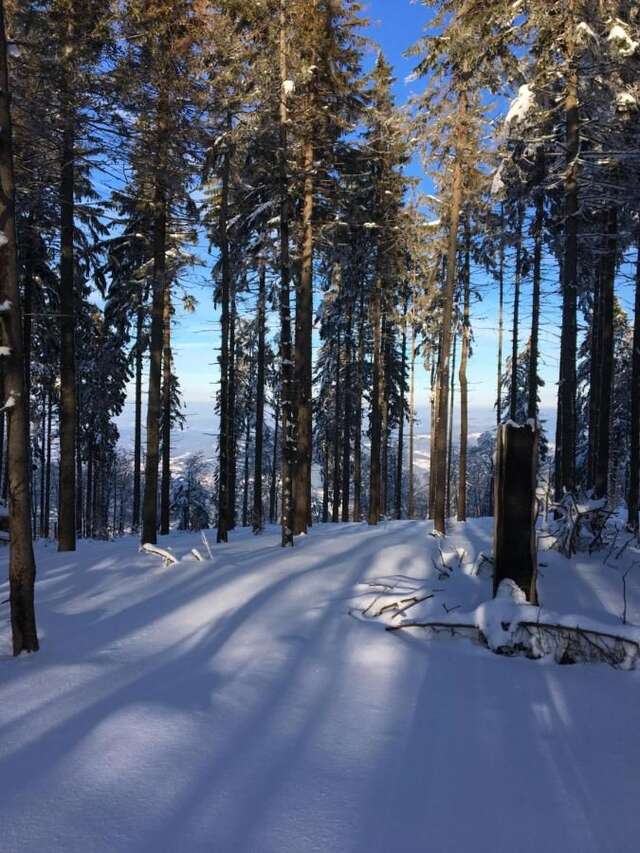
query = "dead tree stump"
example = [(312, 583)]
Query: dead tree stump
[(515, 552)]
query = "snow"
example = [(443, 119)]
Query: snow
[(234, 705), (5, 352), (626, 101), (497, 184), (520, 106), (9, 403), (288, 87), (621, 41), (3, 239), (584, 33), (5, 306)]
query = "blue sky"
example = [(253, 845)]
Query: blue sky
[(395, 25)]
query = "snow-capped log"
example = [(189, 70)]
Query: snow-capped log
[(168, 559)]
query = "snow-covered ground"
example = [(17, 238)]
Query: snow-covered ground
[(236, 706)]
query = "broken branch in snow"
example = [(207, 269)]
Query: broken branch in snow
[(168, 559)]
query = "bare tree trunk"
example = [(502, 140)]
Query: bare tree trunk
[(286, 364), (513, 400), (325, 481), (47, 488), (440, 448), (22, 567), (231, 404), (43, 450), (150, 501), (335, 506), (411, 509), (357, 440), (67, 461), (375, 416), (400, 456), (515, 552), (258, 520), (137, 440), (225, 413), (605, 378), (634, 438), (384, 409), (452, 399), (566, 445), (464, 386), (346, 431), (165, 484), (273, 494), (303, 369), (500, 317), (532, 399)]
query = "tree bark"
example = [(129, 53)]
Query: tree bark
[(515, 554), (634, 438), (513, 397), (411, 508), (375, 415), (538, 225), (357, 439), (440, 448), (335, 506), (137, 440), (400, 456), (150, 500), (22, 567), (347, 407), (303, 368), (165, 483), (286, 364), (605, 377), (67, 460), (257, 520), (566, 445), (222, 534), (500, 317), (464, 385)]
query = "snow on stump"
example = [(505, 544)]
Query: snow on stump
[(515, 553)]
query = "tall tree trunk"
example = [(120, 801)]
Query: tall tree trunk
[(335, 506), (384, 409), (22, 567), (225, 354), (566, 445), (411, 507), (375, 415), (325, 480), (43, 451), (303, 371), (47, 488), (538, 225), (245, 484), (346, 431), (137, 440), (67, 459), (500, 317), (605, 378), (400, 456), (257, 519), (452, 399), (286, 364), (231, 404), (440, 448), (150, 500), (464, 386), (165, 483), (357, 439), (273, 492), (634, 437), (513, 397), (435, 362)]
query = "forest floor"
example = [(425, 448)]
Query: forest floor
[(234, 706)]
